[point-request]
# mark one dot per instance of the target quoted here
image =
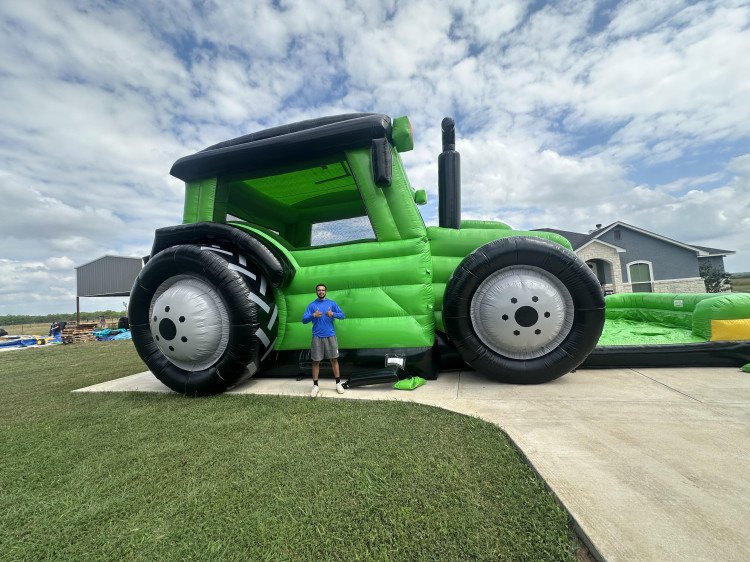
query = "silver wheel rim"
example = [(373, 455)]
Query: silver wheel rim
[(522, 312), (189, 322)]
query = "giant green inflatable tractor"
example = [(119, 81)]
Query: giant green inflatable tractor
[(271, 214)]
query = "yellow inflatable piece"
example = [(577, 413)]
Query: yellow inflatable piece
[(730, 330)]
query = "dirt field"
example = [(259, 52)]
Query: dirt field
[(741, 285), (41, 329)]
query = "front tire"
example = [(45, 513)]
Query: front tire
[(195, 321), (523, 310)]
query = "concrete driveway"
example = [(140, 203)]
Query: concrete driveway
[(652, 464)]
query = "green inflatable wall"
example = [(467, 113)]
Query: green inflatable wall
[(693, 312)]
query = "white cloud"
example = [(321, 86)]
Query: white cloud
[(32, 283), (740, 166), (39, 217), (485, 21), (62, 263), (676, 87), (640, 15)]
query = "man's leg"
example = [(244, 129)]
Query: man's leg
[(337, 374), (315, 371), (316, 355)]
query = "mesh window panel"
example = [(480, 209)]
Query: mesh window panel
[(345, 230)]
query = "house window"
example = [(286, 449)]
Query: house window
[(640, 277), (617, 234)]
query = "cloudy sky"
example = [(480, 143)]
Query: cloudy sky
[(568, 113)]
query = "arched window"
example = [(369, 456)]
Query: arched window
[(641, 277)]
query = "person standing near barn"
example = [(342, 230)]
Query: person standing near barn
[(322, 312)]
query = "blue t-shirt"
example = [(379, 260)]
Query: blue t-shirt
[(323, 326)]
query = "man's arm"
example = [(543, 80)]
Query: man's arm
[(337, 312), (308, 315)]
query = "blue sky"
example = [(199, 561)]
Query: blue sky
[(568, 114)]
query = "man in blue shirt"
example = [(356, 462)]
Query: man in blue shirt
[(322, 312)]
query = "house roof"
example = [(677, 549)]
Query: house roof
[(713, 251), (577, 239), (120, 258), (602, 242)]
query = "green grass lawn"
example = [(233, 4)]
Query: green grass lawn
[(145, 476)]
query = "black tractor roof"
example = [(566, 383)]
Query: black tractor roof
[(278, 145)]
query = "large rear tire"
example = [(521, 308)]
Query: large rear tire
[(523, 310), (195, 319)]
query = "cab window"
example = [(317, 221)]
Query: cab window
[(311, 205)]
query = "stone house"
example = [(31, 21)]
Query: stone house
[(629, 259)]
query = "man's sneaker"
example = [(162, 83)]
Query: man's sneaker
[(315, 391), (339, 388)]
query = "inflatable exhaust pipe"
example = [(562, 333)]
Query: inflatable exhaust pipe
[(449, 178)]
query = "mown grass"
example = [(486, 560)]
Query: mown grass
[(144, 476)]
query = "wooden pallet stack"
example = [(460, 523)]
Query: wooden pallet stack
[(83, 331)]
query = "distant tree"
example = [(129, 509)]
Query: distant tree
[(716, 280)]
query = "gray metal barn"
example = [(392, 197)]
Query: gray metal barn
[(107, 276)]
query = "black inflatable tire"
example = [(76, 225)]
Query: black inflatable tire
[(549, 261), (261, 293), (227, 288)]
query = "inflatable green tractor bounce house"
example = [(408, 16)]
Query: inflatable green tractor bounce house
[(270, 215)]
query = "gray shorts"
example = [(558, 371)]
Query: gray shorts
[(324, 348)]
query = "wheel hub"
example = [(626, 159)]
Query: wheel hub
[(189, 322), (522, 312)]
